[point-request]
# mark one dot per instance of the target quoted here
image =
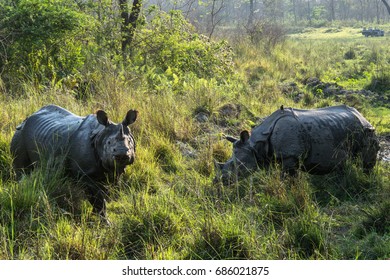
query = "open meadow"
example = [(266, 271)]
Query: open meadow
[(166, 205)]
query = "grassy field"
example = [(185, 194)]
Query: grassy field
[(166, 206)]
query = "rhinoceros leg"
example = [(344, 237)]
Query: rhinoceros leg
[(290, 165), (370, 151), (288, 144), (21, 160), (96, 197)]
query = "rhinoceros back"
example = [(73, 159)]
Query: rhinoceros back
[(333, 124), (48, 131), (329, 135)]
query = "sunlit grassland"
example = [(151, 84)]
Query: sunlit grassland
[(166, 206)]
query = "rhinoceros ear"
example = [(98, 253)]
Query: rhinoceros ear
[(131, 116), (244, 136), (102, 117)]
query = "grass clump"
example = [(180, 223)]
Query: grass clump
[(166, 157), (307, 237), (376, 219), (350, 54), (140, 232), (214, 244), (5, 161)]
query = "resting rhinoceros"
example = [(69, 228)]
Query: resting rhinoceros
[(316, 141), (96, 149)]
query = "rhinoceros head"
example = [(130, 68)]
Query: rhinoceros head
[(242, 162), (115, 144)]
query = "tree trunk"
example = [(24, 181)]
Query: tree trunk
[(332, 11), (129, 23), (294, 10), (215, 11), (251, 13), (377, 13), (387, 5)]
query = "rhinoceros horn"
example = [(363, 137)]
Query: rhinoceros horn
[(231, 139), (121, 134)]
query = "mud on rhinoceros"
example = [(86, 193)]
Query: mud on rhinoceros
[(316, 141), (96, 150)]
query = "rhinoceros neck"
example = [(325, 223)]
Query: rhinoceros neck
[(91, 131), (96, 139)]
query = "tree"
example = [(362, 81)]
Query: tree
[(294, 10), (332, 10), (41, 39), (308, 11), (387, 5), (129, 23), (215, 18), (251, 12)]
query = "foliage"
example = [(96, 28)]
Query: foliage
[(268, 33), (38, 38), (169, 50)]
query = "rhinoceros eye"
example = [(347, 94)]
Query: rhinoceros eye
[(109, 142)]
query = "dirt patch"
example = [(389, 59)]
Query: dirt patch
[(384, 152), (327, 90)]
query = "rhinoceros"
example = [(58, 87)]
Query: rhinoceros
[(95, 149), (316, 141)]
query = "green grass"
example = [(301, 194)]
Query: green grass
[(166, 206)]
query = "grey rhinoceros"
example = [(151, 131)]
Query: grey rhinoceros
[(96, 150), (316, 141)]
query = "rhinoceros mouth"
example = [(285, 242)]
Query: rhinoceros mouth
[(123, 159)]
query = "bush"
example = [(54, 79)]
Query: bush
[(351, 54), (40, 41), (168, 49), (270, 34)]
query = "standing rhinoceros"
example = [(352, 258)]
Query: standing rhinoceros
[(96, 149), (317, 141)]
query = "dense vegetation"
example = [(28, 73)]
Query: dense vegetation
[(189, 91)]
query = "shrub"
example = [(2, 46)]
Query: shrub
[(350, 54), (168, 49), (268, 33), (41, 39)]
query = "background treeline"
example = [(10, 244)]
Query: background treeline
[(302, 12), (52, 40)]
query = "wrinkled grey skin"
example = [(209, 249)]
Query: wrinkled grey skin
[(96, 149), (316, 141)]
